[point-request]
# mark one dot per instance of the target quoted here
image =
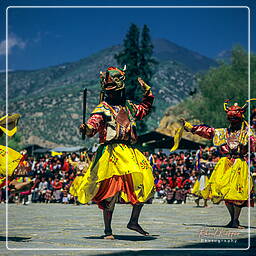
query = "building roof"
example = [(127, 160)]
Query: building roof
[(156, 139), (68, 149)]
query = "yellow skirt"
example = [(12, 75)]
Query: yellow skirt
[(229, 181), (115, 160), (11, 158), (199, 186)]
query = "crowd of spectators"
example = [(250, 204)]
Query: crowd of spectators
[(52, 177), (174, 175)]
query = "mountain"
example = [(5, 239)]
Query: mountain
[(50, 99), (166, 50)]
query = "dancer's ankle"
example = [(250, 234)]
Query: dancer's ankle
[(108, 232)]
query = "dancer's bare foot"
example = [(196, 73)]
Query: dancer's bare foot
[(136, 227), (229, 225), (109, 237), (236, 224), (17, 187)]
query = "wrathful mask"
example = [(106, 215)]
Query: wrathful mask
[(113, 79), (235, 113)]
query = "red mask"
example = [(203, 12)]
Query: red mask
[(235, 114)]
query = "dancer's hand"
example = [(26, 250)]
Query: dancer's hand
[(187, 126), (84, 128), (145, 87)]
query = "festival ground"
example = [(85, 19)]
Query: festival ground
[(72, 229)]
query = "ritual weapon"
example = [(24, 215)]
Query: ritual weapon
[(84, 110)]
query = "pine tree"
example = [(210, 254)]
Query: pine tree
[(130, 57), (137, 55), (146, 63)]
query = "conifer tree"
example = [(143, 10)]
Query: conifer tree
[(137, 55), (130, 57), (146, 62)]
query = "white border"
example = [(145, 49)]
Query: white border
[(249, 124), (124, 249)]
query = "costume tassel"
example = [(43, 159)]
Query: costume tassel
[(177, 138)]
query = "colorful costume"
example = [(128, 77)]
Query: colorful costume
[(118, 171), (230, 180), (8, 157)]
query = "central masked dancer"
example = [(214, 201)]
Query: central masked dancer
[(119, 172)]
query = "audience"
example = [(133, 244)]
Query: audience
[(174, 175)]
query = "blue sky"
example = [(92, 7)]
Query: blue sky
[(45, 37)]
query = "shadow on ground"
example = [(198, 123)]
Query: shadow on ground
[(198, 249), (15, 239), (126, 238)]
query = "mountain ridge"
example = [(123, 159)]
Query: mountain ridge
[(50, 99)]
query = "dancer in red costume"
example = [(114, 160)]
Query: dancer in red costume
[(119, 171), (230, 180)]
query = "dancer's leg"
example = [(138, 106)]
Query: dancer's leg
[(107, 216), (230, 208), (134, 220), (109, 205), (237, 211)]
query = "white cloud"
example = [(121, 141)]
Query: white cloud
[(13, 41)]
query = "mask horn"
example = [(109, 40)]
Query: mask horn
[(124, 69), (225, 105), (244, 107)]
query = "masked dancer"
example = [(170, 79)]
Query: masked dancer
[(230, 180), (119, 171)]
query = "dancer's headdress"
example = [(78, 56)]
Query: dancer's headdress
[(112, 80), (235, 113)]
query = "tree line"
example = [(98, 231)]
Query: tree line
[(227, 81)]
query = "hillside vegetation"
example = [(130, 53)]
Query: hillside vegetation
[(228, 81), (50, 100)]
